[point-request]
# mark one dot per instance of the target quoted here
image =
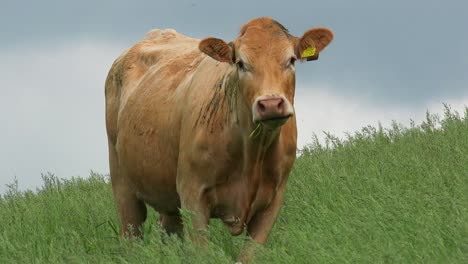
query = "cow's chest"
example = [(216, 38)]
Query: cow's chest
[(239, 180), (239, 198)]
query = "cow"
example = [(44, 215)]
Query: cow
[(206, 126)]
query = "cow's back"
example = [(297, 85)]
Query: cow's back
[(158, 49), (144, 90)]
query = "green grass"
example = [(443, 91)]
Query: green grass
[(397, 195)]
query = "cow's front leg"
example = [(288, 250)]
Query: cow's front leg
[(260, 226), (192, 198)]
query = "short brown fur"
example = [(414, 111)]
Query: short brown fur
[(179, 127)]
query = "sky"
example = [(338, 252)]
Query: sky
[(390, 60)]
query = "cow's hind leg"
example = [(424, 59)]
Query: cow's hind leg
[(172, 224), (132, 211)]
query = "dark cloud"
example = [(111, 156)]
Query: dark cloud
[(397, 52)]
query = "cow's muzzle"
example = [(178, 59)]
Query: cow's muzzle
[(272, 110)]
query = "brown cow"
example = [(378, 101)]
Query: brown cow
[(206, 125)]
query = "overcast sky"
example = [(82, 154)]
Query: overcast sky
[(389, 60)]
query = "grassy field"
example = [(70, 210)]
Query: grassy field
[(397, 195)]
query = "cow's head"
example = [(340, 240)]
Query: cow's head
[(265, 55)]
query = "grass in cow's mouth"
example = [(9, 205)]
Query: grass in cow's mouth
[(396, 195), (259, 125), (257, 131)]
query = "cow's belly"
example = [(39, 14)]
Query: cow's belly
[(150, 167), (147, 148)]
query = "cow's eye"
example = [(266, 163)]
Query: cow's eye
[(241, 66), (292, 61)]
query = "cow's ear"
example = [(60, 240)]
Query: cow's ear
[(217, 49), (312, 43)]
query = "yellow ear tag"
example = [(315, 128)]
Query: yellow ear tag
[(309, 52)]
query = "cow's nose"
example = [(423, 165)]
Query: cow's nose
[(271, 108)]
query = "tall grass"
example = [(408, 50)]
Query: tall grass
[(381, 195)]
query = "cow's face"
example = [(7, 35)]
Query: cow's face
[(264, 55)]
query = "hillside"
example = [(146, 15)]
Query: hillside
[(396, 195)]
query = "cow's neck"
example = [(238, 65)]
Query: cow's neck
[(227, 106), (258, 143), (253, 145), (257, 140)]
